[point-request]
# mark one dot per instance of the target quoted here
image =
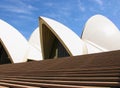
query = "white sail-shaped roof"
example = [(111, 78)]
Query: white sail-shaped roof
[(13, 42), (34, 52), (93, 48), (72, 43), (102, 33), (52, 40)]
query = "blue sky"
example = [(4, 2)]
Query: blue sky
[(23, 14)]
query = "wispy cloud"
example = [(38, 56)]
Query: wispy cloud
[(14, 9), (49, 4), (81, 7), (100, 2), (17, 6), (57, 10), (28, 18)]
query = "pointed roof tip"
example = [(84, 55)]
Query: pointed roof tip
[(42, 17), (46, 18)]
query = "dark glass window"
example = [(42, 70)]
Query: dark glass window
[(4, 59), (52, 47)]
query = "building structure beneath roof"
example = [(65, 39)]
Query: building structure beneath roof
[(100, 70)]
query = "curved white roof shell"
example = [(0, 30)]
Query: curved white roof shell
[(34, 39), (93, 48), (102, 33), (34, 52), (72, 43), (13, 42)]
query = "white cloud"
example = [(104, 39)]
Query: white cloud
[(58, 9), (100, 2), (15, 9), (81, 7), (49, 4), (17, 6), (27, 17)]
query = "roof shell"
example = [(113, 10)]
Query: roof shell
[(13, 42), (72, 43), (34, 52), (102, 32)]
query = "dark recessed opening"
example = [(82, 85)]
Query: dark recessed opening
[(4, 59), (52, 46)]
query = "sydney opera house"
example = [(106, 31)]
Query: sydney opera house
[(52, 40)]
